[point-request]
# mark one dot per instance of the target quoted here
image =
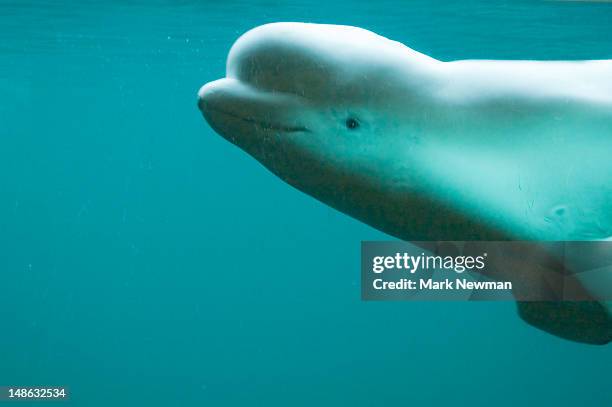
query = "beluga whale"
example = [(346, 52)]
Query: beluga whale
[(428, 150)]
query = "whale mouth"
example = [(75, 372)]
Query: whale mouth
[(227, 100), (262, 124)]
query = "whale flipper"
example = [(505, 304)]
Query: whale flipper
[(583, 321)]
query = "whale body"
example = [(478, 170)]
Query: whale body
[(426, 150)]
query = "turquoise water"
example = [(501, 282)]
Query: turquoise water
[(146, 261)]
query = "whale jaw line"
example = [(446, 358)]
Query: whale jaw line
[(238, 111), (258, 123)]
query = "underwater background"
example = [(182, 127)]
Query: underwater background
[(144, 260)]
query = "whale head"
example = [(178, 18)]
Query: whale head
[(408, 144), (321, 106)]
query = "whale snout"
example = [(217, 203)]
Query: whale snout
[(240, 112), (202, 93), (208, 98), (210, 103)]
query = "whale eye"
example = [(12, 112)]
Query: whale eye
[(351, 123)]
